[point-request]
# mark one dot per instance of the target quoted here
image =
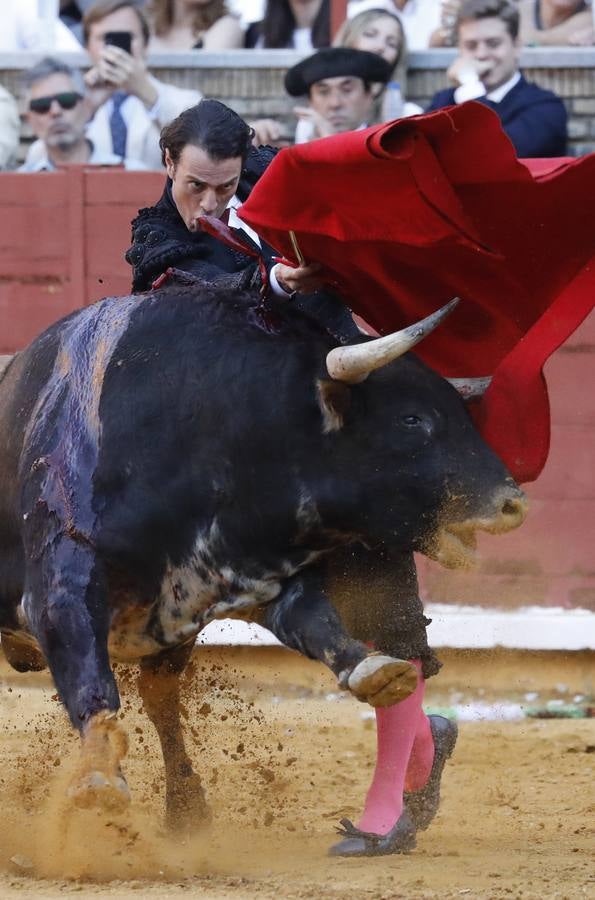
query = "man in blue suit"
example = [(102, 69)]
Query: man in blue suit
[(487, 70)]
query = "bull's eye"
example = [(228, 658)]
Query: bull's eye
[(411, 421)]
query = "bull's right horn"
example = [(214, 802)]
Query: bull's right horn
[(471, 388), (353, 364)]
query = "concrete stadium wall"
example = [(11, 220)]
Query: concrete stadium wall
[(252, 82)]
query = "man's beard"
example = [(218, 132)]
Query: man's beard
[(63, 142)]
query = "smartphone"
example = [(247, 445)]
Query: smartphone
[(121, 39)]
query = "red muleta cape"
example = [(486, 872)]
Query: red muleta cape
[(406, 215)]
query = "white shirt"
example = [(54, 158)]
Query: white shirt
[(247, 10), (23, 29), (301, 40), (10, 129), (131, 107), (235, 221), (472, 89), (42, 163)]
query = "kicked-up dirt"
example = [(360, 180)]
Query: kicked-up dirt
[(284, 757)]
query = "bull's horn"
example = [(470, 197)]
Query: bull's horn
[(354, 364), (471, 388)]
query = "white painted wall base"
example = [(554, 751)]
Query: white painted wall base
[(528, 628)]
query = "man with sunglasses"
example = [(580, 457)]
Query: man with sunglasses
[(57, 114)]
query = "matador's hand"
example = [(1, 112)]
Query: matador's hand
[(304, 279)]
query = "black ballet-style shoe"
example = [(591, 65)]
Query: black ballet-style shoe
[(423, 804), (400, 839)]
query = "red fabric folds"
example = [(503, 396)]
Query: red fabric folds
[(436, 206)]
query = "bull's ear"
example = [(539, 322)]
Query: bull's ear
[(334, 398)]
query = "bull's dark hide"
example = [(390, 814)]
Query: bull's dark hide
[(166, 460)]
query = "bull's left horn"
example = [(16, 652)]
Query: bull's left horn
[(354, 364)]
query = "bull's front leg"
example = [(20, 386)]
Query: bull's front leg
[(303, 619), (65, 603), (159, 687)]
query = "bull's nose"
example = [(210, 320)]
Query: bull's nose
[(513, 507)]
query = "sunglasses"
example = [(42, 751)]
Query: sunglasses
[(67, 100)]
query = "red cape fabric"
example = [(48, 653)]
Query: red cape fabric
[(406, 215)]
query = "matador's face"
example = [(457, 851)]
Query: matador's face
[(202, 186)]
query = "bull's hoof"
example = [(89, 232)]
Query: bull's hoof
[(22, 655), (186, 808), (382, 680), (400, 839), (98, 780), (96, 791)]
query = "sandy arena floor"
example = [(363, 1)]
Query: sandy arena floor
[(282, 763)]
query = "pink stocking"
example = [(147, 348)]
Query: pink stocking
[(404, 749)]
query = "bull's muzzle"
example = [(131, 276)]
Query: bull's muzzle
[(513, 509), (455, 543)]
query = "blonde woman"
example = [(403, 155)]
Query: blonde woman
[(379, 31), (180, 25)]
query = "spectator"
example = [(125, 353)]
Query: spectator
[(301, 24), (71, 14), (10, 129), (487, 70), (338, 82), (193, 25), (130, 105), (380, 31), (543, 23), (420, 18), (23, 29), (445, 34), (180, 25), (554, 22), (57, 116)]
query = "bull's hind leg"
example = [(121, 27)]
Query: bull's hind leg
[(159, 687), (65, 603), (303, 619)]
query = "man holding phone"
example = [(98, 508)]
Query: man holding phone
[(129, 106)]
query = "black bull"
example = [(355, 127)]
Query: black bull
[(165, 460)]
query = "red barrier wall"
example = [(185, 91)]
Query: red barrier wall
[(62, 239), (550, 560)]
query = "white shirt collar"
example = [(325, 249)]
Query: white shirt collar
[(234, 220), (499, 93), (44, 164)]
